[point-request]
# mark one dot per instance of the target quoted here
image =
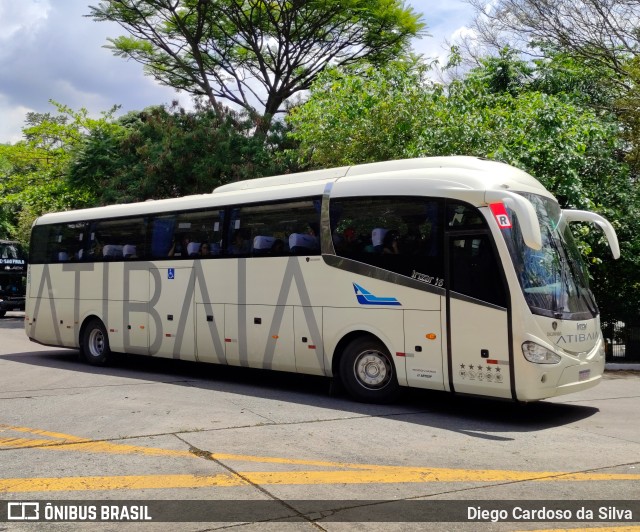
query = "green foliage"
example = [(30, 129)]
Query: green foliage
[(363, 114), (505, 73), (499, 112), (628, 108), (159, 153), (33, 171), (255, 51), (396, 112)]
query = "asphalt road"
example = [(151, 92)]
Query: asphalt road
[(259, 450)]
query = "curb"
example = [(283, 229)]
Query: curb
[(616, 366)]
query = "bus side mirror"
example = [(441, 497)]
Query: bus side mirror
[(526, 213), (570, 215)]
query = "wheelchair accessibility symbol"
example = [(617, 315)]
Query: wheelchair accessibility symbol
[(171, 274)]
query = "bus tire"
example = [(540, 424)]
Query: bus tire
[(2, 313), (95, 344), (367, 371)]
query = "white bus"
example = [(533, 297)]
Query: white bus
[(451, 273)]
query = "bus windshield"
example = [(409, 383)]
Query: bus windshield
[(553, 279)]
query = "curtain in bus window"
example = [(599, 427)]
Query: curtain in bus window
[(162, 236)]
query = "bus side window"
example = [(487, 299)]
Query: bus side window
[(276, 229), (399, 234), (461, 215), (475, 270), (65, 242), (118, 239)]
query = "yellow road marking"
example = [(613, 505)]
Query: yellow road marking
[(631, 528), (264, 478), (334, 473)]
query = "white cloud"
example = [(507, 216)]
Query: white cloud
[(445, 21), (12, 121), (53, 51), (50, 49), (21, 19)]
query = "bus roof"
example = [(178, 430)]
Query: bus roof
[(435, 176), (476, 172)]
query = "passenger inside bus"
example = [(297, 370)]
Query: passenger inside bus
[(347, 242), (241, 244), (179, 246), (377, 239), (390, 243), (278, 247)]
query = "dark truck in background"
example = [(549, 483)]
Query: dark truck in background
[(13, 271)]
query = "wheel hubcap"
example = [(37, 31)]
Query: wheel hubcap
[(96, 343), (372, 369)]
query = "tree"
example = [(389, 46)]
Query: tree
[(159, 153), (364, 114), (252, 53), (601, 31), (599, 36), (497, 111), (33, 171)]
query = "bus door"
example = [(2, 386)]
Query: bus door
[(172, 332), (477, 316)]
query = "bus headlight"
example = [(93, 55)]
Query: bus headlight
[(539, 355)]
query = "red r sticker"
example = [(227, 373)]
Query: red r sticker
[(500, 214)]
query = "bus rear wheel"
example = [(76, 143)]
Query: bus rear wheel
[(368, 373), (95, 344)]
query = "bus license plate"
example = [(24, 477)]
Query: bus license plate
[(584, 374)]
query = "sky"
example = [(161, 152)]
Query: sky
[(50, 50)]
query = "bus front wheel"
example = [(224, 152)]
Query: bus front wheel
[(367, 371), (95, 344)]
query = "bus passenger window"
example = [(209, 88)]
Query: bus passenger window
[(399, 234), (118, 239), (276, 229), (475, 270), (461, 215)]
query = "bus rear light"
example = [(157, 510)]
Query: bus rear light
[(539, 355)]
